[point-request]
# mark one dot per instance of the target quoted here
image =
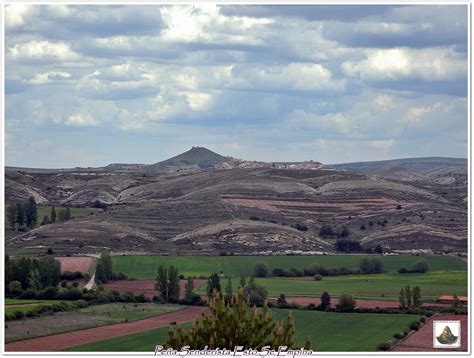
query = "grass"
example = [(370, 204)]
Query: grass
[(27, 305), (92, 316), (344, 332), (373, 287), (145, 267)]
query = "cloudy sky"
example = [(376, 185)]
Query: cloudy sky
[(92, 85)]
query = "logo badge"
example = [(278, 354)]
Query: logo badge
[(446, 334)]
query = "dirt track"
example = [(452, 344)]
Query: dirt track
[(422, 341), (359, 303), (60, 341)]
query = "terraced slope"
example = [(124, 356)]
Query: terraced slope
[(244, 211)]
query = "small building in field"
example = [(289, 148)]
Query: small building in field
[(450, 299)]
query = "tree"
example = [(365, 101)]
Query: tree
[(100, 276), (234, 324), (346, 303), (108, 265), (20, 214), (173, 284), (213, 283), (242, 282), (282, 299), (189, 290), (326, 231), (408, 296), (34, 281), (11, 216), (14, 287), (344, 232), (325, 301), (256, 294), (67, 214), (260, 270), (228, 290), (162, 283), (31, 213), (347, 245), (45, 220), (420, 267), (371, 266), (402, 299), (416, 296), (53, 214)]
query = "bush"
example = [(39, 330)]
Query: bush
[(398, 335), (260, 270), (422, 319), (403, 270), (14, 287), (420, 267), (301, 227), (414, 326), (18, 314), (317, 277), (347, 245), (278, 272), (28, 294), (326, 231), (384, 346), (346, 303)]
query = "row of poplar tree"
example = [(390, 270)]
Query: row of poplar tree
[(25, 215)]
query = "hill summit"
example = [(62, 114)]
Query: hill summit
[(196, 157)]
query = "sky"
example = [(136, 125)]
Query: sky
[(99, 84)]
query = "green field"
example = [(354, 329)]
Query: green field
[(145, 267), (375, 287), (12, 305), (349, 332), (92, 316)]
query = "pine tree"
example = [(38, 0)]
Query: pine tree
[(53, 214), (228, 290), (234, 324)]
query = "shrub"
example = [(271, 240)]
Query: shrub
[(278, 272), (301, 227), (414, 326), (346, 303), (256, 294), (14, 287), (422, 319), (326, 231), (28, 294), (317, 277), (403, 270), (260, 270), (384, 346), (398, 335), (420, 267), (347, 245), (18, 314)]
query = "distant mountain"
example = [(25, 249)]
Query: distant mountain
[(196, 157), (441, 169)]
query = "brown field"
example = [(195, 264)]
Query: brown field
[(73, 264), (422, 341), (147, 287), (71, 339)]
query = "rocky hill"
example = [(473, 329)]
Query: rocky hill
[(242, 210)]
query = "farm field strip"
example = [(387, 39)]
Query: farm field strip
[(349, 332), (70, 339), (145, 267), (92, 316)]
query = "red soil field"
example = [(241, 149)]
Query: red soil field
[(147, 287), (71, 339), (422, 340), (73, 264), (359, 303)]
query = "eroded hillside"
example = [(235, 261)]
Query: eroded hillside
[(243, 211)]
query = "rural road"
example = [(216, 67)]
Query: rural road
[(65, 340)]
